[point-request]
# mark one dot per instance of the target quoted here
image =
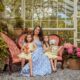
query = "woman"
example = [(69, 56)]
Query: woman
[(41, 63)]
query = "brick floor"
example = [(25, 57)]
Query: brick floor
[(65, 74)]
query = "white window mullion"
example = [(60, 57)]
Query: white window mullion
[(75, 22)]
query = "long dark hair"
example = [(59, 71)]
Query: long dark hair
[(45, 42), (40, 33), (26, 37)]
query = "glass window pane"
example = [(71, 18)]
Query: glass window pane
[(28, 2), (36, 22), (78, 28), (37, 12), (12, 8), (78, 7), (67, 35), (28, 12), (45, 24), (53, 9), (69, 23), (78, 24), (78, 44), (53, 24), (61, 24), (37, 2), (78, 35), (28, 24)]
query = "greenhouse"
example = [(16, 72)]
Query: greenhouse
[(60, 17), (56, 16)]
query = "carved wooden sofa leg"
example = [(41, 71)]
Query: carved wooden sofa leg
[(10, 64), (62, 64), (5, 67)]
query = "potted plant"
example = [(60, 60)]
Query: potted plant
[(71, 55), (1, 6)]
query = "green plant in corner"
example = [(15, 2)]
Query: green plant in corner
[(71, 52), (1, 6), (3, 51)]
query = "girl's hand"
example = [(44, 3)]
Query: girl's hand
[(28, 51)]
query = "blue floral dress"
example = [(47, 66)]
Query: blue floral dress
[(41, 63)]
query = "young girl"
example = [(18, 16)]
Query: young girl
[(51, 50), (54, 51), (27, 50), (47, 49)]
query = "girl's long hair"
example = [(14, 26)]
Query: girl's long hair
[(45, 42), (27, 35), (40, 35)]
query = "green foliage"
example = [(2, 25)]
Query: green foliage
[(1, 6), (18, 23), (72, 55), (3, 51), (38, 8)]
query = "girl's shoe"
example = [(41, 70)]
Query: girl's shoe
[(31, 75), (55, 70)]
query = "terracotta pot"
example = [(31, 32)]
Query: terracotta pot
[(74, 64)]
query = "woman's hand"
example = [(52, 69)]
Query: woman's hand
[(46, 48)]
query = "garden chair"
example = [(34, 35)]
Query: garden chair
[(58, 39), (13, 48), (13, 51)]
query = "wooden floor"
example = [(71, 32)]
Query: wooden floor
[(65, 74)]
